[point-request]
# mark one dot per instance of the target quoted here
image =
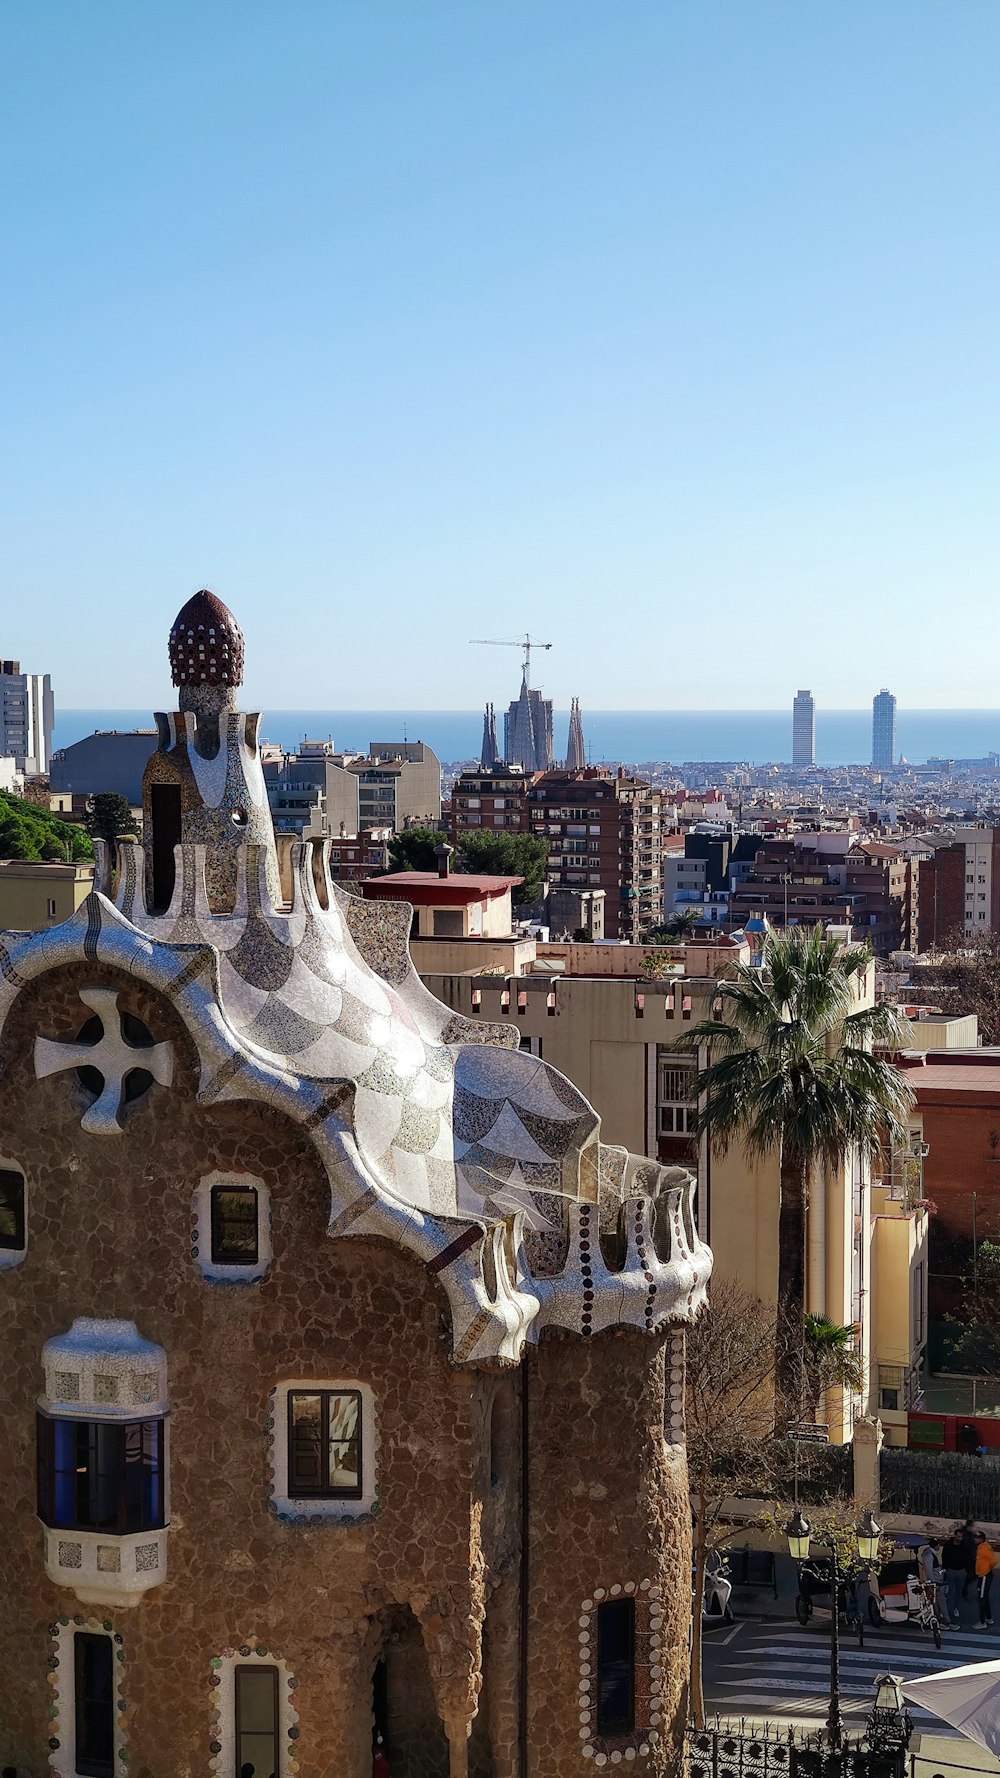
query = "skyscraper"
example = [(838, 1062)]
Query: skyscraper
[(804, 729), (27, 714), (883, 730), (576, 746)]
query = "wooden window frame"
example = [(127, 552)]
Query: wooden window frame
[(324, 1491), (17, 1242), (618, 1726), (256, 1667), (220, 1257), (83, 1766)]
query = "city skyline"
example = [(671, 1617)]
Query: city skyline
[(578, 320)]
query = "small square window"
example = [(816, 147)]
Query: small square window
[(324, 1444), (12, 1218), (235, 1225)]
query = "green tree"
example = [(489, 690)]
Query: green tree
[(681, 924), (30, 832), (413, 849), (829, 1358), (110, 815), (794, 1070), (506, 855)]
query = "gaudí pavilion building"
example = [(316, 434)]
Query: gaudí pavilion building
[(342, 1362)]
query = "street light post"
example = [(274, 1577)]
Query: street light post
[(798, 1532)]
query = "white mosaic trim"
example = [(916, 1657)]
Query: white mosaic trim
[(62, 1712), (674, 1421), (222, 1698), (104, 1370), (15, 1256), (640, 1742), (309, 1511), (201, 1229)]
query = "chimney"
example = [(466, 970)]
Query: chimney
[(443, 855)]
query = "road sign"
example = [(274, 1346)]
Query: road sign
[(809, 1435)]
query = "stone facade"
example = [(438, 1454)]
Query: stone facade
[(500, 1316)]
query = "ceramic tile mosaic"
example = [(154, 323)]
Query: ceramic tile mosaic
[(428, 1124)]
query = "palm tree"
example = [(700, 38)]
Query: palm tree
[(794, 1068), (829, 1358)]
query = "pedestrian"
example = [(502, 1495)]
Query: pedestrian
[(953, 1561), (986, 1561), (248, 1769), (970, 1540), (380, 1763), (932, 1575)]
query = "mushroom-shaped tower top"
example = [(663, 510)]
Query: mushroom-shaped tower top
[(206, 644)]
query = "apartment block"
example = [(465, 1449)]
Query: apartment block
[(495, 797), (605, 831), (27, 715)]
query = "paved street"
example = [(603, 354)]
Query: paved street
[(780, 1672)]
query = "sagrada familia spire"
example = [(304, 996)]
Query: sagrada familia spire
[(490, 754), (576, 746)]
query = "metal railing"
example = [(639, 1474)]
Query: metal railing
[(939, 1484), (766, 1750)]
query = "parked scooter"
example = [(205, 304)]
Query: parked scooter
[(718, 1589)]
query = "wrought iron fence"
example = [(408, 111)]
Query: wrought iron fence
[(939, 1484), (765, 1750)]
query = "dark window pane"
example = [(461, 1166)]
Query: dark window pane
[(257, 1719), (305, 1443), (616, 1667), (11, 1209), (234, 1226), (93, 1661), (100, 1475)]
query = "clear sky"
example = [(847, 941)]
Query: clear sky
[(667, 330)]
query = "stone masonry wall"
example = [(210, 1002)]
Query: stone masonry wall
[(109, 1235)]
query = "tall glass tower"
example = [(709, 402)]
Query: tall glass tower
[(804, 729), (884, 730)]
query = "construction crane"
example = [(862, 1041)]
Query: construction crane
[(528, 644)]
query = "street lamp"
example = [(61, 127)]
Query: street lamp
[(867, 1533), (889, 1724)]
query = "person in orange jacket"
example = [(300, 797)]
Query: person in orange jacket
[(986, 1561)]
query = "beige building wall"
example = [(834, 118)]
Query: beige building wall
[(35, 896), (863, 1249)]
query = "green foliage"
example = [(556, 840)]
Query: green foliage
[(413, 849), (108, 815), (32, 833), (830, 1359), (974, 1346), (492, 854), (681, 924)]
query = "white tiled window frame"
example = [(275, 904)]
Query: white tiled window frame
[(201, 1229), (309, 1510), (62, 1727)]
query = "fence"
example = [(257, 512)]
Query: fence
[(939, 1484), (766, 1751)]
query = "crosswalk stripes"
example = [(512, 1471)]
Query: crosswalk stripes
[(773, 1671)]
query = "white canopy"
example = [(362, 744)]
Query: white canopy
[(967, 1697)]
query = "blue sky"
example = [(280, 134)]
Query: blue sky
[(669, 331)]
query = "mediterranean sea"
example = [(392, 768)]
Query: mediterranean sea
[(632, 737)]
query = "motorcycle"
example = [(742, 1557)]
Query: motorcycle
[(718, 1589)]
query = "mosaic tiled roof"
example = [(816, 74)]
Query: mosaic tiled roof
[(206, 643)]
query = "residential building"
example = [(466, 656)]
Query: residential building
[(259, 1183), (884, 731), (494, 797), (320, 792), (108, 760), (803, 729), (960, 885), (27, 713), (447, 904), (590, 1012), (605, 831), (34, 897), (810, 877), (527, 730)]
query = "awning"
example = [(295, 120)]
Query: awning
[(967, 1697)]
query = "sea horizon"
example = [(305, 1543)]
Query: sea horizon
[(632, 737)]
